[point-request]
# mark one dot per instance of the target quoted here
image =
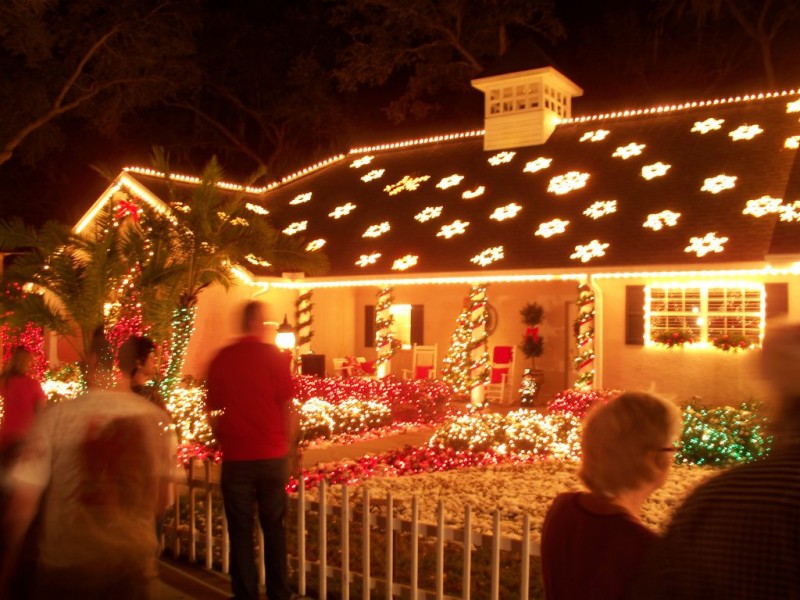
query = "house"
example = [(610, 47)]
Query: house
[(653, 238)]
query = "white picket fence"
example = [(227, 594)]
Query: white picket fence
[(203, 481)]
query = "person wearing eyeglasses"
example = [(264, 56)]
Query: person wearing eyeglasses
[(594, 542)]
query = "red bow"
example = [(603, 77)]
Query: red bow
[(125, 208), (533, 333)]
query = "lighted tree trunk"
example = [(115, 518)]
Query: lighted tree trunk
[(183, 320)]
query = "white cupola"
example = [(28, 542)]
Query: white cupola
[(523, 105)]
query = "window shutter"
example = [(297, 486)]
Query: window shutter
[(777, 302), (634, 315), (369, 325), (417, 323)]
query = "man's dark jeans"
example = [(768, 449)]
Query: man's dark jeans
[(245, 484)]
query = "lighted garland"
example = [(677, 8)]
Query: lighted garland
[(584, 337), (674, 338), (304, 319), (181, 332), (479, 352), (385, 342), (732, 342)]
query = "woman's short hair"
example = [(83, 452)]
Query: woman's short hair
[(133, 353), (618, 438)]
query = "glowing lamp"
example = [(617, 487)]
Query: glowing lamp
[(285, 339)]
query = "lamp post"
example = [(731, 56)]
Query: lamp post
[(285, 340)]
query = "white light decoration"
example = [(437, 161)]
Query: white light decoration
[(407, 183), (431, 212), (706, 244), (376, 230), (315, 245), (259, 210), (300, 199), (488, 256), (501, 158), (595, 136), (625, 152), (717, 184), (470, 194), (428, 140), (450, 181), (709, 124), (368, 259), (792, 143), (360, 162), (665, 218), (253, 259), (408, 261), (296, 227), (374, 174), (745, 132), (240, 222), (587, 252), (184, 208), (562, 184), (551, 228), (658, 169), (790, 212), (509, 211), (793, 106), (601, 208), (537, 165), (457, 227), (765, 205), (342, 211)]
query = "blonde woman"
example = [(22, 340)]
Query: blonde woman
[(593, 542), (22, 398)]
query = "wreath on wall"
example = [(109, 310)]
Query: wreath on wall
[(532, 344)]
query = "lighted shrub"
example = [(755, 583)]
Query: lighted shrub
[(475, 432), (356, 416), (578, 402)]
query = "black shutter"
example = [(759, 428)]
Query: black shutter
[(369, 325), (777, 302), (634, 315), (417, 323)]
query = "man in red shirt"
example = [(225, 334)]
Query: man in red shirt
[(249, 397)]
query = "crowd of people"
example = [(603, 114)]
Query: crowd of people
[(85, 484)]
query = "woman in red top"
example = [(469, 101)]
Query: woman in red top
[(22, 397)]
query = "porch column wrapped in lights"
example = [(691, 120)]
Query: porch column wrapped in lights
[(304, 319), (384, 338), (584, 338), (479, 359)]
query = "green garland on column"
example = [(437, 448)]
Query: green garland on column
[(385, 342), (304, 318), (479, 351), (584, 338)]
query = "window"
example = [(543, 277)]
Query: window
[(513, 98), (704, 312), (408, 324)]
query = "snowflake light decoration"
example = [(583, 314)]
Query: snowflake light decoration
[(368, 259), (184, 208), (793, 106), (551, 228), (587, 252), (358, 163), (658, 169), (431, 212), (594, 136), (665, 218), (537, 165), (407, 183), (625, 152), (501, 157), (709, 124), (562, 184), (470, 194), (792, 143), (790, 212), (300, 199), (315, 245), (240, 221), (450, 181), (719, 183), (509, 211), (342, 211), (457, 227), (374, 174), (706, 244), (376, 230), (259, 210), (488, 256), (601, 208), (296, 227), (745, 132), (408, 261), (253, 259), (765, 205)]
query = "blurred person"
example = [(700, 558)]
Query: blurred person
[(136, 359), (249, 398), (738, 534), (594, 542), (94, 471), (22, 398)]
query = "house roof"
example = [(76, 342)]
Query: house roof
[(713, 183)]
